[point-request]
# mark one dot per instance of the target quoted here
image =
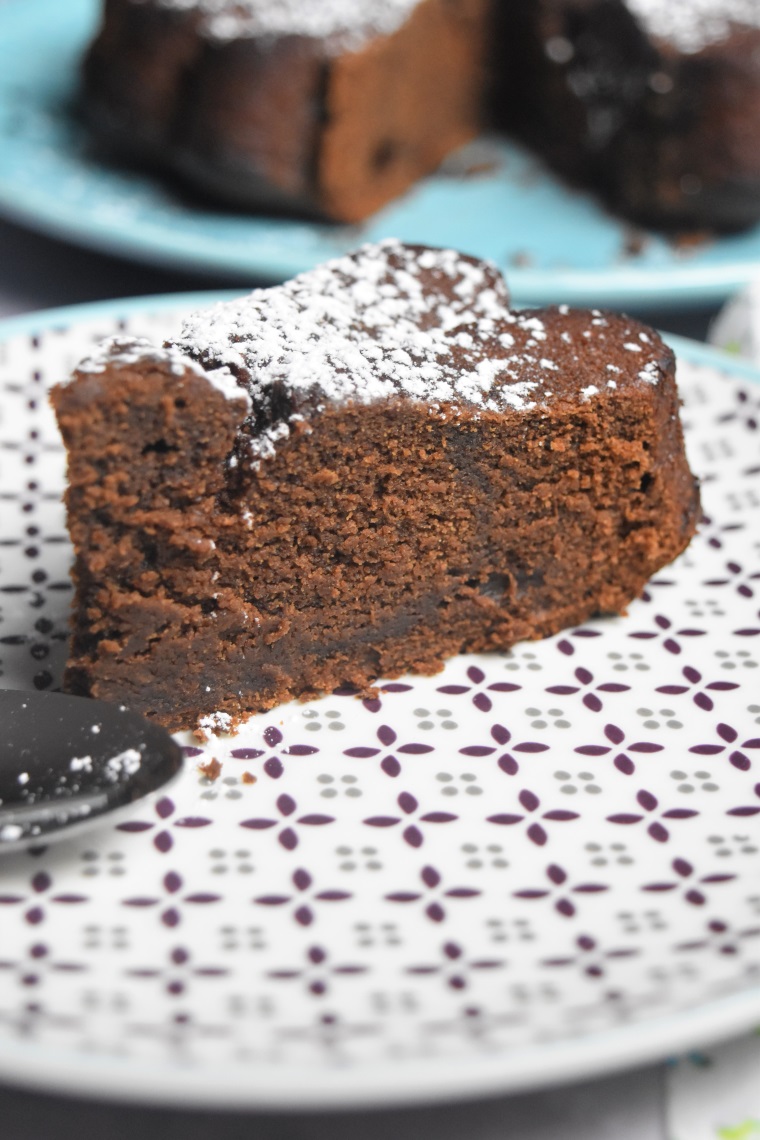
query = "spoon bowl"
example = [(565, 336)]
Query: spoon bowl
[(67, 761)]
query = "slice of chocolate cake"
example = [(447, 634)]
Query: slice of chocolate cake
[(357, 473), (325, 107), (656, 103)]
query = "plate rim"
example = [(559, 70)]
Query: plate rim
[(680, 284), (387, 1084)]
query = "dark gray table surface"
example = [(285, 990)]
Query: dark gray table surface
[(627, 1107), (35, 273)]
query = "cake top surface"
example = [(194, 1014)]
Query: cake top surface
[(394, 320), (390, 319), (348, 20), (362, 327), (126, 351), (691, 25)]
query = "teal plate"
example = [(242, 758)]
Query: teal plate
[(555, 244)]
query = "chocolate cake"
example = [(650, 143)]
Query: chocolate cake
[(656, 103), (328, 107), (358, 473), (334, 107)]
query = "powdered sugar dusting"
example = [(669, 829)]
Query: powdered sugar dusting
[(81, 764), (125, 763), (650, 373), (125, 352), (388, 319), (691, 25), (393, 320), (263, 446), (215, 722), (351, 22)]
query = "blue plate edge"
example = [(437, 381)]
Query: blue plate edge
[(630, 287), (633, 288)]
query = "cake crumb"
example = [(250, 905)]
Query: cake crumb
[(635, 243), (247, 778), (688, 242), (212, 769)]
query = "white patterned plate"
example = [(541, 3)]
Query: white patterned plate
[(528, 868)]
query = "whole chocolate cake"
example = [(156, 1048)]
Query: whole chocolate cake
[(334, 107), (358, 473)]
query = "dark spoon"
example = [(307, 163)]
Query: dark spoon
[(66, 761)]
